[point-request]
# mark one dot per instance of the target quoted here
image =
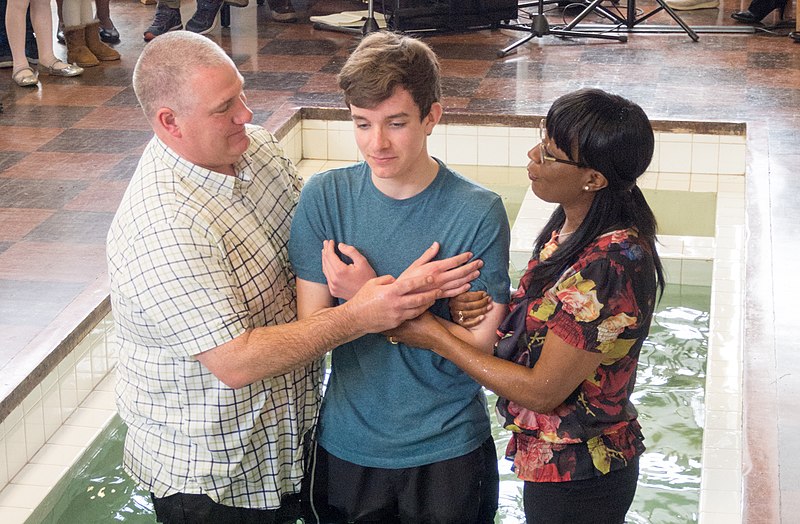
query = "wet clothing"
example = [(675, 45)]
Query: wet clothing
[(195, 259), (458, 490), (602, 303), (598, 500)]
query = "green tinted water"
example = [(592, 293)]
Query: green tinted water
[(669, 396)]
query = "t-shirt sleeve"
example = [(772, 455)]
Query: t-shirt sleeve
[(595, 305), (180, 281), (308, 232), (491, 245)]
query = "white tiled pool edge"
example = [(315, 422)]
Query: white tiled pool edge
[(49, 431)]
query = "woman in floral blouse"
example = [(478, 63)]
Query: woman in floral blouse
[(565, 364)]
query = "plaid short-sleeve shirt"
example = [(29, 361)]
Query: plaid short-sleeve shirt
[(195, 259)]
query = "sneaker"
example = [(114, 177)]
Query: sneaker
[(166, 20), (205, 18), (282, 10), (690, 5), (6, 61)]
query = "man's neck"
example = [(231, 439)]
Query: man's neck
[(408, 186)]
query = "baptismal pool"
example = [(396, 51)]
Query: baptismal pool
[(669, 396)]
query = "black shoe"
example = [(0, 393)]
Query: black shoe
[(166, 20), (758, 9), (795, 35), (205, 18), (282, 10), (109, 36)]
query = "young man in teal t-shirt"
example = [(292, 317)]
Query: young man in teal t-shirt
[(403, 434)]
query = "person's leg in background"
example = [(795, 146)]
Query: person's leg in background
[(282, 10), (91, 33), (108, 33), (42, 19), (31, 51), (168, 18), (74, 33)]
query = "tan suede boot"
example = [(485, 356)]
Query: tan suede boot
[(77, 52), (97, 46)]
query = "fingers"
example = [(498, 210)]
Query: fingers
[(461, 259), (471, 323), (415, 284), (465, 299), (351, 252), (457, 282), (426, 256), (449, 293), (469, 309), (477, 305)]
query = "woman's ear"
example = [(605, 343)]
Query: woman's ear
[(595, 181)]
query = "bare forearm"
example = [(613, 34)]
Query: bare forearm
[(274, 350), (484, 344), (483, 335), (506, 379)]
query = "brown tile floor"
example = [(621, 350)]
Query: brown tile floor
[(68, 148)]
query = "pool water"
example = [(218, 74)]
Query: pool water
[(669, 396)]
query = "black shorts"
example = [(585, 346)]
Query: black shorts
[(183, 508), (462, 490), (601, 500)]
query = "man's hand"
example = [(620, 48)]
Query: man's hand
[(451, 275), (344, 280), (384, 303), (421, 332)]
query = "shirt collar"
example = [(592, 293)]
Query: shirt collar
[(210, 180)]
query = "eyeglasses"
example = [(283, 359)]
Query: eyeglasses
[(545, 155)]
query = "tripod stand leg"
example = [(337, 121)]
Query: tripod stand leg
[(568, 30), (583, 14), (506, 50), (679, 20)]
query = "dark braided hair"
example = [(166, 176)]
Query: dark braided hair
[(612, 135)]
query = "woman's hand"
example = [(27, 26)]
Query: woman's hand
[(421, 332), (469, 309), (344, 280)]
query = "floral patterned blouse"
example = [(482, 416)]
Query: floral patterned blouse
[(602, 303)]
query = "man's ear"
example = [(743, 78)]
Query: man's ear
[(433, 117), (166, 120)]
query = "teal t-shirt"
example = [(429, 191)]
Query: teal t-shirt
[(393, 406)]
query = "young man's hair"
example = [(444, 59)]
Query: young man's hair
[(166, 65), (384, 61)]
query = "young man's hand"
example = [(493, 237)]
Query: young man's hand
[(451, 275)]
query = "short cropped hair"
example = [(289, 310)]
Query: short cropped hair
[(166, 65), (384, 61)]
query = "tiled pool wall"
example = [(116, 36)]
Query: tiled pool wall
[(48, 431)]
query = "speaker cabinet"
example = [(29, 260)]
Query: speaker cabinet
[(405, 15)]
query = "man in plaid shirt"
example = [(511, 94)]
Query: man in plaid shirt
[(218, 381)]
